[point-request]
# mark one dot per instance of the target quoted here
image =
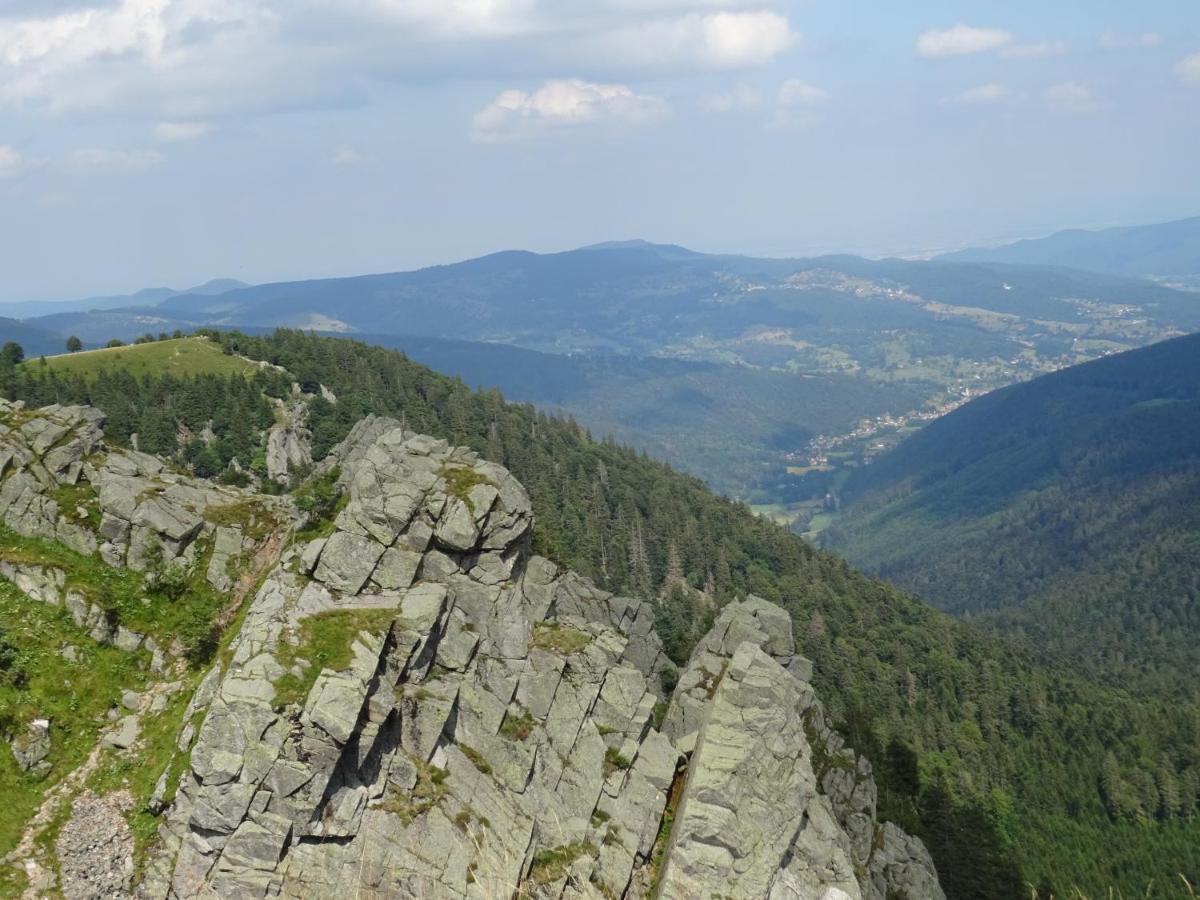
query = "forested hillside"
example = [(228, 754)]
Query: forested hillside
[(1066, 509), (990, 757)]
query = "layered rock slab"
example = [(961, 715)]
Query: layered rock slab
[(490, 729)]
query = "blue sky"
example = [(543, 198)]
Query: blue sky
[(147, 142)]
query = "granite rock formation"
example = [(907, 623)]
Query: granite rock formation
[(497, 727)]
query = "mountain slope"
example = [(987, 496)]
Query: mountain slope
[(34, 340), (143, 298), (990, 757), (1170, 248), (726, 424), (1066, 508)]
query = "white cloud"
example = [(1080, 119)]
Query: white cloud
[(174, 132), (794, 92), (560, 104), (1189, 68), (348, 157), (190, 61), (722, 40), (12, 163), (83, 57), (962, 40), (1114, 40), (1070, 95), (98, 158), (1034, 51), (984, 93)]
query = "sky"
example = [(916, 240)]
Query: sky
[(167, 142)]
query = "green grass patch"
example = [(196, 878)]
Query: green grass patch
[(320, 499), (253, 517), (552, 864), (822, 760), (562, 639), (659, 850), (659, 714), (123, 594), (429, 789), (476, 759), (179, 357), (614, 761), (325, 641), (517, 727), (459, 481), (71, 498), (39, 683)]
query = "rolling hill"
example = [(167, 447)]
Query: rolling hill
[(1170, 248), (739, 370), (642, 298), (178, 357), (1066, 509), (34, 341)]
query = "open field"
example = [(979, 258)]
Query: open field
[(181, 356)]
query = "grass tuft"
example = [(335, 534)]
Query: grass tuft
[(326, 641), (561, 639)]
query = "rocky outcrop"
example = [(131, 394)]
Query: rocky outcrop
[(418, 706), (60, 482), (774, 804), (289, 446)]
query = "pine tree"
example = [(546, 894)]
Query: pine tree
[(639, 560), (673, 576)]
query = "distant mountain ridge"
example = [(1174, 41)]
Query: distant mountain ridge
[(783, 342), (144, 297), (1166, 249)]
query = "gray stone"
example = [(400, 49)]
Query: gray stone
[(31, 748), (125, 734), (127, 640), (397, 568), (457, 528), (347, 561), (288, 450), (310, 555)]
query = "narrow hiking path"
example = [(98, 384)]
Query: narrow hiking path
[(41, 879)]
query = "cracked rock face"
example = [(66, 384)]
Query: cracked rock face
[(145, 514), (490, 725)]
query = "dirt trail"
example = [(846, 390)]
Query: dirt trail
[(42, 881)]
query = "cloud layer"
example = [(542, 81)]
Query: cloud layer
[(561, 104), (961, 40), (184, 62)]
